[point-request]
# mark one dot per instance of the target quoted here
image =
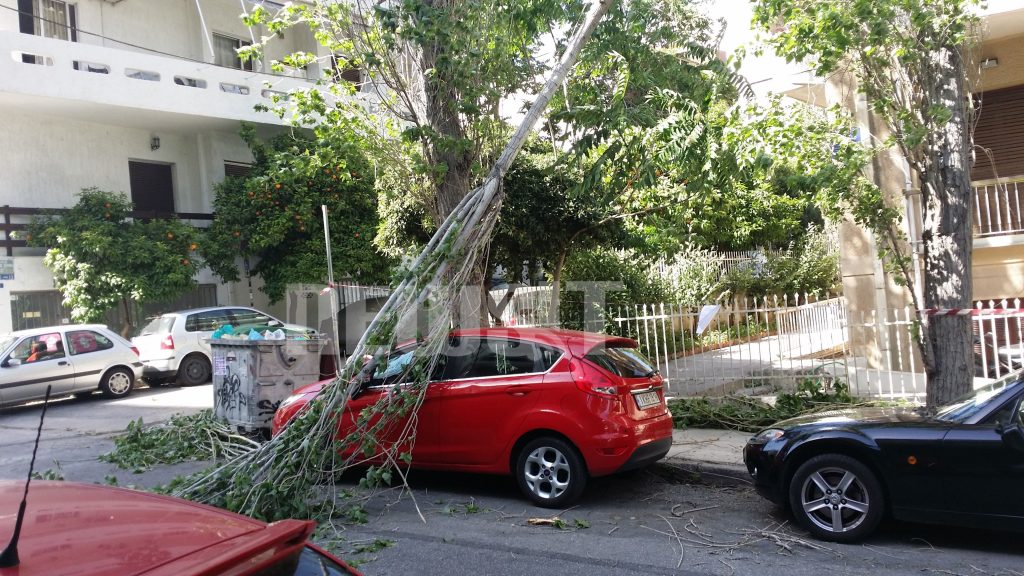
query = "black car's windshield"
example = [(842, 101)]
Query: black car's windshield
[(974, 402)]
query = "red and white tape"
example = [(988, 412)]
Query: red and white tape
[(970, 311)]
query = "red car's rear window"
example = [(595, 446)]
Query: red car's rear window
[(621, 361)]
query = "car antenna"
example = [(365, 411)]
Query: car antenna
[(9, 557)]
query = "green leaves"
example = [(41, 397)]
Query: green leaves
[(181, 439)]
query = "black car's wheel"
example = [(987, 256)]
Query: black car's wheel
[(194, 370), (117, 382), (550, 472), (156, 382), (836, 498)]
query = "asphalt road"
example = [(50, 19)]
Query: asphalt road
[(659, 521)]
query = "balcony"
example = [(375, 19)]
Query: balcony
[(122, 87), (997, 218), (997, 207)]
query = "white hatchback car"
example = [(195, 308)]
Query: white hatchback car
[(174, 346), (74, 359)]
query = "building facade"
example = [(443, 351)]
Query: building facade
[(997, 173), (142, 97)]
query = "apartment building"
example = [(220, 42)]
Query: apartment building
[(143, 97)]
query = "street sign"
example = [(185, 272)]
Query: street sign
[(6, 269)]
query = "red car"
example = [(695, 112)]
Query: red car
[(87, 530), (551, 407)]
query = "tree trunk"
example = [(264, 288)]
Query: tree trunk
[(947, 238), (447, 148), (556, 288), (126, 328)]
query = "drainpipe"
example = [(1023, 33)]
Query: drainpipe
[(912, 208)]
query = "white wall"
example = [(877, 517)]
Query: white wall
[(46, 161), (173, 27)]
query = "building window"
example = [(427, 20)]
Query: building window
[(152, 187), (342, 70), (225, 52), (237, 169), (48, 18)]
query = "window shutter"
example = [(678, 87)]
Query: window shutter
[(237, 169), (152, 187), (998, 147)]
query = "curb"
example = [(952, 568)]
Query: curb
[(696, 471)]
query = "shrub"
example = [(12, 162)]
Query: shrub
[(640, 285)]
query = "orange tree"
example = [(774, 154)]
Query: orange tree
[(273, 215), (101, 257)]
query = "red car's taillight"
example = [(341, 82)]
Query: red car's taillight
[(591, 379), (167, 343)]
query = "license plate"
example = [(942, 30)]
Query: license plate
[(647, 399)]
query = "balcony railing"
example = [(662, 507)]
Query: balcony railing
[(17, 219), (997, 207), (34, 67)]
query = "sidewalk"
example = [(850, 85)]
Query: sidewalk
[(716, 454)]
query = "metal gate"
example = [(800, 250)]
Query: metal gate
[(38, 309), (44, 308)]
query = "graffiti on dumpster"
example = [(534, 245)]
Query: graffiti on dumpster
[(230, 400), (267, 408)]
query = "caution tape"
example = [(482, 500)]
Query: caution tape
[(970, 311)]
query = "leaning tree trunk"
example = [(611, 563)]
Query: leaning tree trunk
[(947, 198)]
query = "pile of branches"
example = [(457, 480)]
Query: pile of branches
[(181, 439), (750, 414)]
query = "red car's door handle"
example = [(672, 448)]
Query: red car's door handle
[(519, 391)]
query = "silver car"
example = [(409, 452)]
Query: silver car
[(74, 359)]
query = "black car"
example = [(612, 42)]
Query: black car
[(841, 472)]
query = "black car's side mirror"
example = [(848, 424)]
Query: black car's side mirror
[(1013, 436)]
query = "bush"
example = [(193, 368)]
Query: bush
[(640, 284), (810, 267), (696, 276)]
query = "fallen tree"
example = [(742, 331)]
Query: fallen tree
[(279, 479)]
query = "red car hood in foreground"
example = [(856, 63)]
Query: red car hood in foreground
[(86, 530)]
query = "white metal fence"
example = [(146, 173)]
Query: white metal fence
[(747, 343), (762, 345), (776, 344)]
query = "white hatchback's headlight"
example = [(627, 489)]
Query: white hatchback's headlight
[(765, 436)]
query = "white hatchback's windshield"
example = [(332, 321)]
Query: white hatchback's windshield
[(970, 404), (6, 340)]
